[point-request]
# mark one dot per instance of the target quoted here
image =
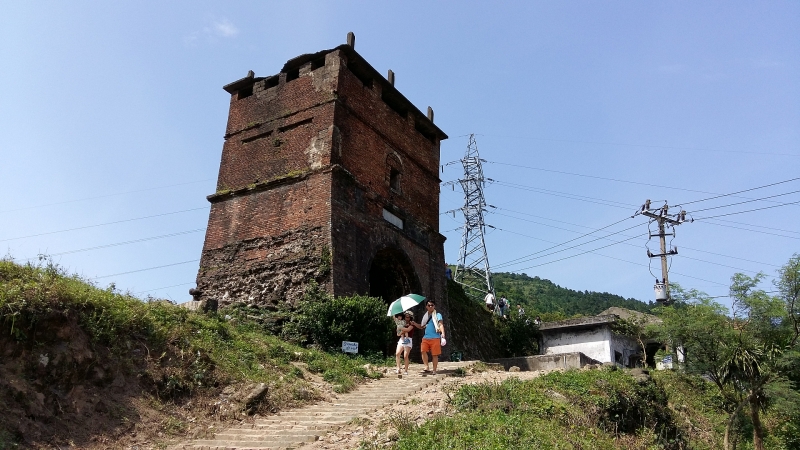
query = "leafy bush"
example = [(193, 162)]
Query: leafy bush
[(518, 335), (327, 321), (598, 409)]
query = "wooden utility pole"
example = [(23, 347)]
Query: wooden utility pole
[(662, 217)]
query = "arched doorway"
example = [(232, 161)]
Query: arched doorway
[(391, 275)]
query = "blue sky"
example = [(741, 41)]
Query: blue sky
[(112, 111)]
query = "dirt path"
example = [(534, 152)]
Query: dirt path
[(380, 427)]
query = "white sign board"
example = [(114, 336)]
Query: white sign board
[(349, 347)]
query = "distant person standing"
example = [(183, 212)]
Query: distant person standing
[(503, 304), (448, 272), (520, 310), (489, 300)]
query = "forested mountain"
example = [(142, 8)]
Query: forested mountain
[(539, 296)]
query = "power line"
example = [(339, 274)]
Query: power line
[(719, 264), (163, 287), (144, 270), (584, 226), (643, 145), (577, 254), (564, 194), (106, 195), (607, 256), (541, 217), (103, 224), (738, 192), (676, 273), (605, 178), (180, 233), (722, 296), (531, 257), (629, 244), (749, 210), (761, 226), (567, 242), (732, 257), (598, 178), (535, 222), (753, 231), (746, 201)]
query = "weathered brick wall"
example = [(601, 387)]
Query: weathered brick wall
[(264, 246), (371, 131), (280, 130)]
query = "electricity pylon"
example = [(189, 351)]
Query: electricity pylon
[(473, 271)]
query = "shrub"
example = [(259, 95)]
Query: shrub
[(327, 321), (518, 335), (575, 409)]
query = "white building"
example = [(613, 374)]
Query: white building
[(594, 337)]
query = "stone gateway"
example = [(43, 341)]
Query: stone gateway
[(329, 175)]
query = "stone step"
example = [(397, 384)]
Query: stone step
[(302, 435), (219, 445), (338, 408), (263, 442), (278, 428), (298, 422), (330, 418), (292, 429), (260, 428)]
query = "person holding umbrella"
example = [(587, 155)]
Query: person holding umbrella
[(433, 340), (403, 319)]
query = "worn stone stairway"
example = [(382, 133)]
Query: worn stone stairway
[(294, 428)]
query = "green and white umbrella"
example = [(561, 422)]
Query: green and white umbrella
[(404, 303)]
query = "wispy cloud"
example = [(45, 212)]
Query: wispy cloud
[(218, 28), (224, 28)]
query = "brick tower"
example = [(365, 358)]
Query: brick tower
[(328, 174)]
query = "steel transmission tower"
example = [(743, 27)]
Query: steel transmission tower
[(473, 271)]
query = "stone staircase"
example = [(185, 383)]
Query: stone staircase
[(293, 428)]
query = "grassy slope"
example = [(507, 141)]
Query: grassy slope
[(75, 358), (596, 409)]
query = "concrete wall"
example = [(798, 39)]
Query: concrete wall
[(595, 343), (574, 360), (625, 345)]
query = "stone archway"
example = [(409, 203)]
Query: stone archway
[(391, 275)]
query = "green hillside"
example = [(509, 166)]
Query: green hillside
[(551, 301)]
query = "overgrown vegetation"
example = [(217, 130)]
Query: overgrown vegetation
[(208, 348), (751, 356), (597, 409), (171, 351), (552, 302), (325, 321), (482, 335)]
